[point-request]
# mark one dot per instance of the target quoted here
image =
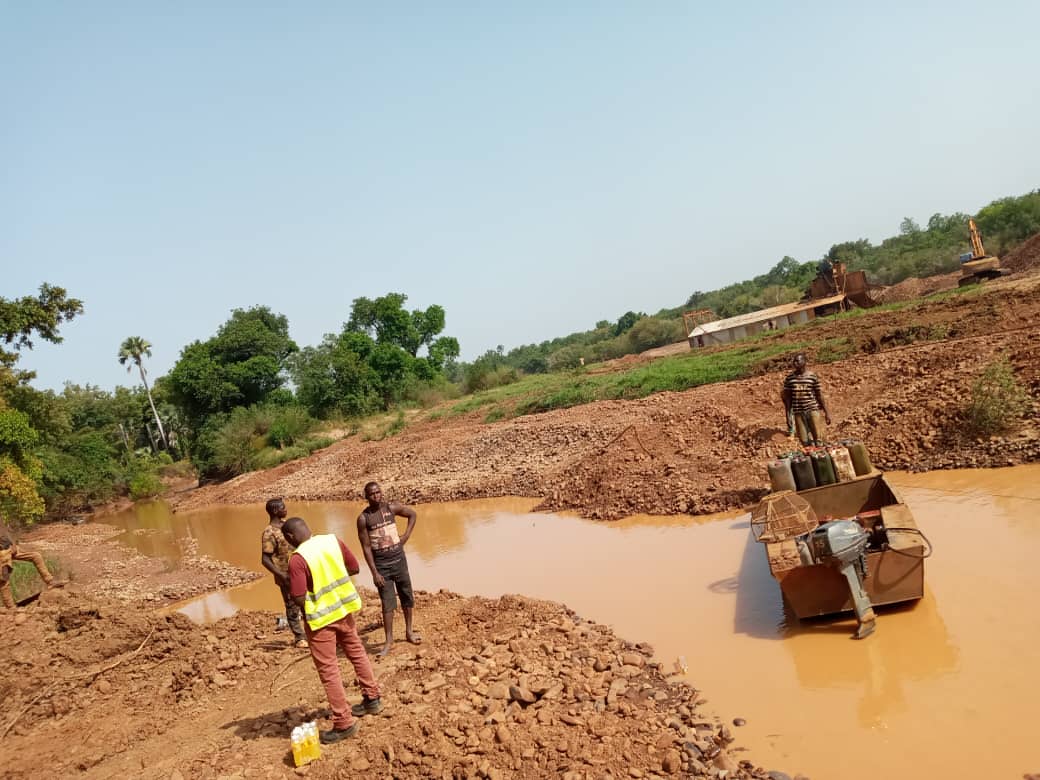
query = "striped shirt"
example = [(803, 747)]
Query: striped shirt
[(803, 389)]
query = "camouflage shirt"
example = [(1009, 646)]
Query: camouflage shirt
[(274, 544)]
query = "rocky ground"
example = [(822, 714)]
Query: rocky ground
[(901, 387), (500, 688)]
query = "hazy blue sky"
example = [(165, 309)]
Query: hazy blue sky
[(532, 168)]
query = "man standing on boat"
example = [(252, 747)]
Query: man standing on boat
[(320, 584), (384, 552), (803, 403)]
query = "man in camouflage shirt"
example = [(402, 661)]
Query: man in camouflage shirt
[(275, 553)]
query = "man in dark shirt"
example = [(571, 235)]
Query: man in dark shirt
[(803, 403), (320, 572), (384, 552)]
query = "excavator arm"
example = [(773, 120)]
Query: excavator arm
[(977, 251)]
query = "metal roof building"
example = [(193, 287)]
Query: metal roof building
[(743, 325)]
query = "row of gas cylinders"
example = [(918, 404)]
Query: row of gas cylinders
[(815, 466)]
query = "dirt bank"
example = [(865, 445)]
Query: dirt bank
[(501, 688), (902, 389), (92, 557)]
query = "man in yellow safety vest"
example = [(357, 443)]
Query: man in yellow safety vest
[(320, 584)]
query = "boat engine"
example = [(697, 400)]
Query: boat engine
[(843, 545)]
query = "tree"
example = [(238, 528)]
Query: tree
[(20, 469), (240, 366), (626, 321), (385, 320), (132, 352), (21, 318), (776, 294), (908, 227)]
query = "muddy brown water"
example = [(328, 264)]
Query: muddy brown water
[(946, 687)]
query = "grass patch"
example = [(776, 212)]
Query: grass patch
[(389, 428), (25, 580), (833, 350), (472, 403), (677, 373), (496, 414), (270, 456)]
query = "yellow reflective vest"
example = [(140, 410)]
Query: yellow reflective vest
[(334, 595)]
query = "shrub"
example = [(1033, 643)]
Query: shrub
[(997, 400), (651, 332), (237, 442), (431, 393), (144, 484), (480, 378), (287, 425)]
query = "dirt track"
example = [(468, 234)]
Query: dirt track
[(902, 390)]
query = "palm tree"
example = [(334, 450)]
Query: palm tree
[(132, 352)]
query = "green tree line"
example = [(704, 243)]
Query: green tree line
[(247, 397)]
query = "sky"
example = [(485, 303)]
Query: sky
[(532, 167)]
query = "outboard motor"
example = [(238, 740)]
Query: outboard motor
[(843, 545)]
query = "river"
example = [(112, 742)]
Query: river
[(945, 687)]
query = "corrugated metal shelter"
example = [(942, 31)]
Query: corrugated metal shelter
[(743, 325)]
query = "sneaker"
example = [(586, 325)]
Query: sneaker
[(367, 707), (335, 735)]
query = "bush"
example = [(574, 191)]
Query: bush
[(997, 401), (480, 378), (287, 425), (567, 357), (237, 442), (432, 393), (144, 483), (651, 332)]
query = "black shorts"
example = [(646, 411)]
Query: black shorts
[(395, 577)]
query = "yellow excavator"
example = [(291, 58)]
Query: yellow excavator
[(977, 266)]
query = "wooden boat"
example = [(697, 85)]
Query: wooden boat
[(894, 558)]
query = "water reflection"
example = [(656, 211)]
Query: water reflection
[(759, 610), (910, 645)]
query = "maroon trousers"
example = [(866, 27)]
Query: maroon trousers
[(323, 643)]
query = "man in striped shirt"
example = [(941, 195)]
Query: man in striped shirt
[(803, 403)]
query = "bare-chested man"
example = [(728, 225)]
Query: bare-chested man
[(384, 552)]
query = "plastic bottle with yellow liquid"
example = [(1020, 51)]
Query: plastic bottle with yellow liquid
[(306, 746)]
